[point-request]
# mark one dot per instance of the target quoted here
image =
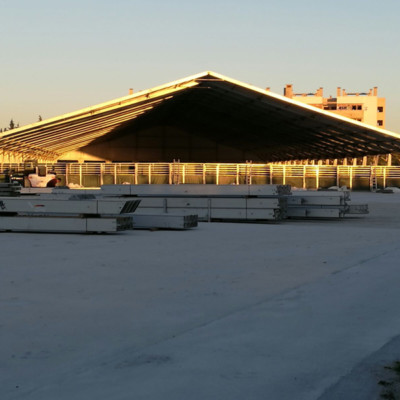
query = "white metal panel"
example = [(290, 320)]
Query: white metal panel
[(262, 214), (64, 224), (187, 202), (228, 202), (172, 202), (190, 189), (43, 224), (202, 213), (152, 202), (228, 213), (294, 200), (318, 200), (263, 203), (195, 189), (117, 190), (324, 213), (305, 212), (55, 205), (37, 205), (112, 206)]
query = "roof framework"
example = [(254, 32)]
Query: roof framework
[(229, 112)]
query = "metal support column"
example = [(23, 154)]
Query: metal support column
[(149, 175), (101, 174), (351, 178), (373, 184), (337, 176), (384, 177), (67, 166), (284, 175), (271, 173), (364, 161)]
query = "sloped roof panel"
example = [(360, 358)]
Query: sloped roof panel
[(230, 112)]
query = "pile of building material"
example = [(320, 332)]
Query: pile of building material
[(167, 207), (239, 202), (322, 204), (209, 202), (10, 189), (35, 214)]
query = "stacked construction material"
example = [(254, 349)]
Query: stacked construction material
[(239, 202), (12, 189), (209, 202), (181, 206), (322, 204), (196, 190), (35, 214)]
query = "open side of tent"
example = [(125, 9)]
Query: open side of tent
[(205, 117)]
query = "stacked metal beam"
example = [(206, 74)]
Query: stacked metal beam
[(322, 204), (67, 207), (63, 212), (239, 202), (65, 224), (213, 208), (32, 214), (168, 207), (10, 189), (196, 190), (209, 202)]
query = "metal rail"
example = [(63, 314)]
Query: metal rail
[(95, 174)]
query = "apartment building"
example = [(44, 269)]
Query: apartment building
[(363, 107)]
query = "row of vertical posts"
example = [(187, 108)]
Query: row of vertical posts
[(311, 176), (277, 173)]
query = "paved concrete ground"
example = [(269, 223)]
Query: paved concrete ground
[(297, 310)]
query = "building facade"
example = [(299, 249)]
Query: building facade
[(363, 107)]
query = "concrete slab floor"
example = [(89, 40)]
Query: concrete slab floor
[(226, 311)]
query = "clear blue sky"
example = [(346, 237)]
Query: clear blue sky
[(58, 56)]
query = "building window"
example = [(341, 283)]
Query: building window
[(356, 107), (380, 109), (342, 107), (380, 122)]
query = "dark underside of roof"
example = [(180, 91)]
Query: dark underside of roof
[(258, 127), (217, 120)]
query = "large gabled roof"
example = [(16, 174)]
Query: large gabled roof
[(228, 111)]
